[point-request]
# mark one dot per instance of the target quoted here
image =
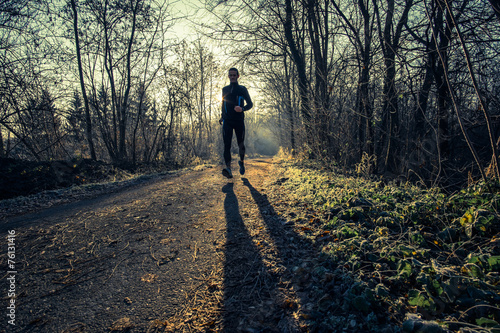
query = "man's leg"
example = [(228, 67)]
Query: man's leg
[(227, 136), (239, 130)]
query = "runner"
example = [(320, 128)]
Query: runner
[(235, 101)]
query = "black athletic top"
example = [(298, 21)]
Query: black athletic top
[(233, 95)]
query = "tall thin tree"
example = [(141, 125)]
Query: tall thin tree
[(88, 121)]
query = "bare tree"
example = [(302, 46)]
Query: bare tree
[(88, 127), (21, 86), (390, 37), (124, 48), (362, 39)]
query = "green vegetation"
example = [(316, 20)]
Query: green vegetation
[(418, 259)]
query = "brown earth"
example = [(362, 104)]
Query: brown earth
[(179, 253)]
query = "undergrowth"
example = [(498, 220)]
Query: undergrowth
[(419, 259)]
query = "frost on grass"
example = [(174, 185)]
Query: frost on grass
[(396, 258)]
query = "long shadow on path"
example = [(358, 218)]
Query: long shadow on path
[(261, 292), (242, 269), (258, 294), (292, 251)]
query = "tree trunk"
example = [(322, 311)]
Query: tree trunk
[(318, 35), (423, 98), (109, 67), (366, 110), (443, 31), (300, 64), (288, 105), (390, 38), (122, 149), (88, 123)]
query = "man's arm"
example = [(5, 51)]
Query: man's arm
[(248, 100), (222, 109)]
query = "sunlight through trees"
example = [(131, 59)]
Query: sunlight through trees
[(411, 84)]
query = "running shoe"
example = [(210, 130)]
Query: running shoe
[(227, 173), (242, 167)]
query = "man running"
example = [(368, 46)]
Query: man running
[(235, 101)]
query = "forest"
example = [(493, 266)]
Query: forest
[(389, 87)]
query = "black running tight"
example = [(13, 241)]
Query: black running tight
[(227, 133)]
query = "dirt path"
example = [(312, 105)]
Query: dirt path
[(194, 252)]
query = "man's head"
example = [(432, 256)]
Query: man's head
[(233, 75)]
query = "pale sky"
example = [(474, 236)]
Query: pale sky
[(187, 9)]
